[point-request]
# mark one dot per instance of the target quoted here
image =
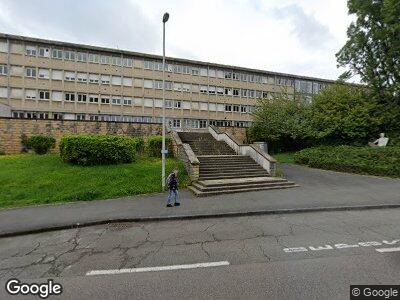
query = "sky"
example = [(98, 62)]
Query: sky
[(298, 37)]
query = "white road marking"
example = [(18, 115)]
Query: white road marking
[(162, 268), (384, 250)]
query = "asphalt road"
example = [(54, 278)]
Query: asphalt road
[(297, 256)]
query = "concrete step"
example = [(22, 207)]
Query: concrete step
[(200, 193), (232, 176), (231, 168)]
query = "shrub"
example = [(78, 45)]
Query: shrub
[(90, 150), (154, 145), (365, 160), (41, 144), (139, 144), (281, 122)]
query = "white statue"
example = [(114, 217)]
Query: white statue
[(381, 142)]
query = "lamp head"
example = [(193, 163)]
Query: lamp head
[(165, 17)]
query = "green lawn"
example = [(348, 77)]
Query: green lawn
[(29, 179), (287, 157)]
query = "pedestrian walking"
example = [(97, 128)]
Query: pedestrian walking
[(172, 183)]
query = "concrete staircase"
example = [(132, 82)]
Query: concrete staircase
[(223, 171)]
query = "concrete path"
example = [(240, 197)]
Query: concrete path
[(319, 190)]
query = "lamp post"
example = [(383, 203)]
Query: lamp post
[(163, 151)]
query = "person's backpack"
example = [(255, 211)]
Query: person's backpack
[(168, 180)]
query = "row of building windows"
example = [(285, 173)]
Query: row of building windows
[(118, 100), (173, 122), (33, 72), (303, 86), (72, 55)]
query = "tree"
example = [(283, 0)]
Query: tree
[(344, 114), (372, 50), (282, 122)]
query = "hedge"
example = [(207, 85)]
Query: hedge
[(363, 160), (154, 145), (41, 144), (90, 150)]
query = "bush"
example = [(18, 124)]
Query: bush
[(281, 122), (364, 160), (139, 145), (90, 150), (154, 146), (41, 144)]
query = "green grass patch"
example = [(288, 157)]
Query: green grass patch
[(286, 157), (362, 160), (40, 179)]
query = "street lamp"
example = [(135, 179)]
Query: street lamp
[(163, 151)]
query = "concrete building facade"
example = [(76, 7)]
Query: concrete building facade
[(43, 79)]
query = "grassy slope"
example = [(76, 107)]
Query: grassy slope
[(286, 157), (33, 179)]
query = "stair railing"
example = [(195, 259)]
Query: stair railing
[(185, 154), (255, 152)]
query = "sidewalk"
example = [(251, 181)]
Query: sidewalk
[(319, 190)]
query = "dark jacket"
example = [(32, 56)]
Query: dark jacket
[(172, 182)]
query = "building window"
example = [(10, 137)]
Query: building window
[(228, 91), (203, 123), (105, 79), (177, 86), (93, 78), (43, 115), (243, 77), (158, 84), (203, 89), (195, 71), (82, 77), (127, 62), (30, 72), (116, 61), (236, 92), (31, 50), (93, 99), (116, 80), (105, 59), (44, 52), (228, 75), (56, 54), (69, 96), (3, 70), (228, 107), (82, 97), (58, 116), (148, 65), (94, 58), (186, 87), (176, 123), (177, 104), (30, 94), (243, 109), (69, 55), (168, 85), (148, 84), (70, 76), (44, 73), (211, 90), (220, 90), (236, 108), (44, 95), (127, 101), (252, 93), (56, 74), (203, 72), (81, 56), (116, 101), (105, 100), (235, 76), (80, 117), (169, 103), (245, 93), (186, 70)]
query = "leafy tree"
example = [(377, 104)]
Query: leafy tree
[(344, 114), (372, 50), (281, 122)]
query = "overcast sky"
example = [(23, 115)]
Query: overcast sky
[(299, 37)]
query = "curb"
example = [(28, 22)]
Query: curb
[(199, 216)]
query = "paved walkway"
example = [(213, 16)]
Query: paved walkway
[(318, 190)]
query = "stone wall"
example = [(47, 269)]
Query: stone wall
[(13, 130)]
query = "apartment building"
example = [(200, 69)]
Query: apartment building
[(43, 79)]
